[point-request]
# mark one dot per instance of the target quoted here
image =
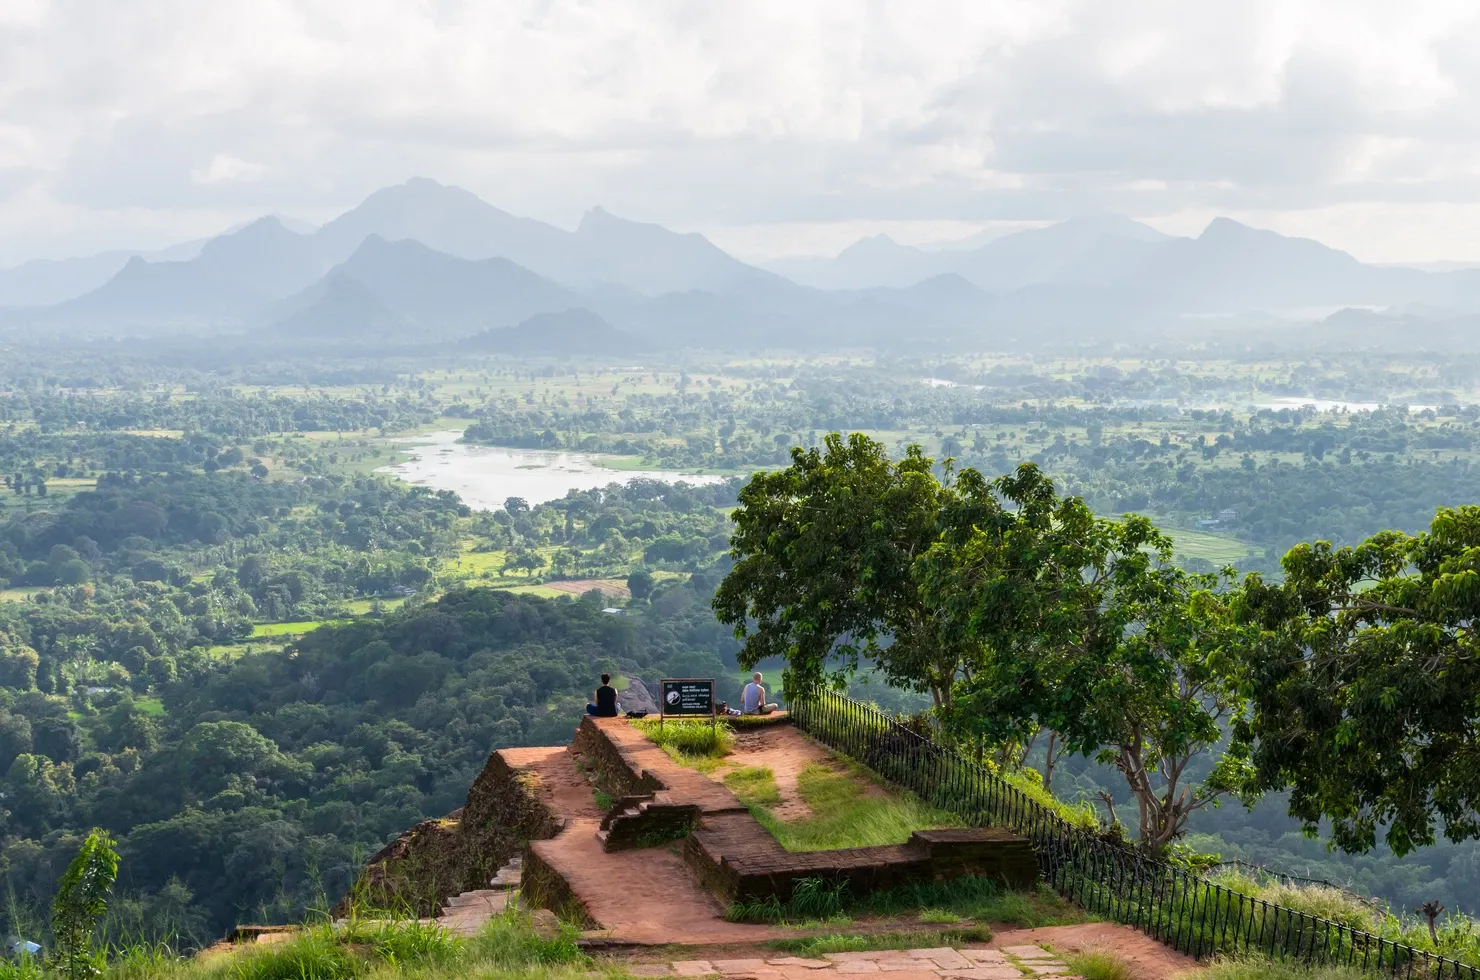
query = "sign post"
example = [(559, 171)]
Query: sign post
[(686, 697)]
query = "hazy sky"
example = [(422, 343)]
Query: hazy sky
[(774, 127)]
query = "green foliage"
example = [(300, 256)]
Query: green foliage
[(823, 574), (79, 906), (1362, 661), (1019, 610)]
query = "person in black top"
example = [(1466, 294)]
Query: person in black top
[(604, 700)]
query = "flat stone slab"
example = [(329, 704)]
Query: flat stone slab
[(1028, 952), (739, 966), (802, 962), (895, 966), (858, 966), (648, 969), (694, 968), (986, 957)]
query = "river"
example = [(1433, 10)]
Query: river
[(485, 476)]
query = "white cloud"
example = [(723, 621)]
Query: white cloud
[(225, 167), (168, 117)]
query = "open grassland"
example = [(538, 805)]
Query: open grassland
[(1220, 549)]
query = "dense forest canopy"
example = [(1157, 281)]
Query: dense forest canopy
[(223, 624)]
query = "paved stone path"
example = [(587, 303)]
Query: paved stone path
[(941, 963)]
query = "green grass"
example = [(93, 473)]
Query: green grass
[(1220, 549), (754, 786), (1099, 965), (153, 707), (977, 899), (366, 949), (689, 741), (817, 946), (849, 810), (970, 901), (1254, 968), (288, 629), (1457, 936)]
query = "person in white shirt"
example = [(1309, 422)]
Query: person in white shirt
[(753, 700)]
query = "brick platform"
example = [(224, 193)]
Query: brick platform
[(735, 857)]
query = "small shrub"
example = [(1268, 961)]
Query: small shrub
[(604, 800), (937, 917)]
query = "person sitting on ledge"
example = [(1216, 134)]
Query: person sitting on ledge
[(753, 701), (604, 700)]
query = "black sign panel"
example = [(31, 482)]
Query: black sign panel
[(688, 696)]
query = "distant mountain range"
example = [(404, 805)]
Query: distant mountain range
[(422, 264)]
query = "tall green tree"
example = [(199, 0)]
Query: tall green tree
[(80, 904), (1086, 629), (823, 577), (1364, 676)]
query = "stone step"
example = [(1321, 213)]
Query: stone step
[(506, 879), (481, 896)]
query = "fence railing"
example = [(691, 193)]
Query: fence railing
[(1185, 910)]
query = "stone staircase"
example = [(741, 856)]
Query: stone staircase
[(466, 914), (644, 820)]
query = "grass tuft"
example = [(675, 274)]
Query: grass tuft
[(1099, 965), (690, 739)]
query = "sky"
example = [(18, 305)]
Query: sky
[(776, 127)]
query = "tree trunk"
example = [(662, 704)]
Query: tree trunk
[(1048, 765)]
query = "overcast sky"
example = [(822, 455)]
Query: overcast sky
[(774, 127)]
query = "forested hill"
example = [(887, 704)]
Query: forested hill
[(256, 788)]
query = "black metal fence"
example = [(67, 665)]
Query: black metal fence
[(1185, 910)]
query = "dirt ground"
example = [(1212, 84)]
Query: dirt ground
[(783, 750)]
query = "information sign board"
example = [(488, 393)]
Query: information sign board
[(688, 697)]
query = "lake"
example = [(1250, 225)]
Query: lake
[(485, 476)]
